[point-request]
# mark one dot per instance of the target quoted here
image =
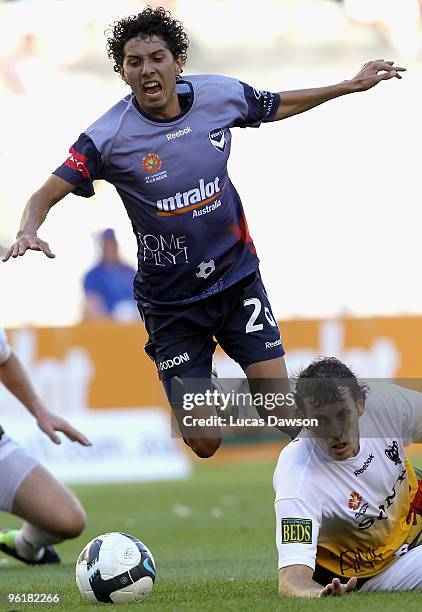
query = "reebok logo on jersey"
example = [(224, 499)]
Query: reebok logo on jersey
[(296, 531), (179, 133), (365, 465), (218, 139), (174, 361), (182, 202), (272, 344)]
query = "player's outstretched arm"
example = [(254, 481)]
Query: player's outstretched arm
[(372, 73), (296, 581), (36, 210), (16, 380)]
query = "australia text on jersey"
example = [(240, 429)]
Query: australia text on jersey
[(182, 202)]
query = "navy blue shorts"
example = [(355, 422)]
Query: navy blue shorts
[(238, 318)]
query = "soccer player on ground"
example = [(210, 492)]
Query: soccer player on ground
[(51, 513), (165, 148), (348, 502)]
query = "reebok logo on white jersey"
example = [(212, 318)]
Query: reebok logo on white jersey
[(179, 133), (365, 465)]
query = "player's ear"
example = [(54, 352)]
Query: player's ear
[(178, 62), (361, 406), (122, 73)]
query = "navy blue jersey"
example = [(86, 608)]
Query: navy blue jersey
[(193, 239)]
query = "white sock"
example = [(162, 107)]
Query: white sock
[(30, 542)]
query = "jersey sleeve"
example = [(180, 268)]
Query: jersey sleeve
[(297, 528), (261, 106), (82, 166), (5, 350), (410, 414)]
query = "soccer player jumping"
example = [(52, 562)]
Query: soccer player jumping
[(165, 148)]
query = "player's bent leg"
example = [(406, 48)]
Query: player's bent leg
[(50, 512), (251, 337), (198, 424), (48, 506), (204, 440), (403, 575), (204, 448)]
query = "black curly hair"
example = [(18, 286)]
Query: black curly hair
[(323, 380), (151, 22)]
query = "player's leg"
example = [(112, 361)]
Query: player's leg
[(269, 380), (252, 338), (403, 575), (49, 506), (182, 393), (181, 344), (51, 513)]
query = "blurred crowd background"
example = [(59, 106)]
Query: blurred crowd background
[(332, 196)]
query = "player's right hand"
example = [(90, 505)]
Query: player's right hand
[(49, 423), (336, 589), (27, 242)]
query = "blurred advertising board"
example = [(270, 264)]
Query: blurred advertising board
[(103, 366), (98, 376), (127, 446)]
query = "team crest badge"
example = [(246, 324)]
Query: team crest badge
[(151, 163), (355, 500), (218, 139)]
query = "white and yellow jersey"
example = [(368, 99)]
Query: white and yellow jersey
[(5, 349), (352, 516)]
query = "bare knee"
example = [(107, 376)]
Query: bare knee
[(69, 522), (204, 447)]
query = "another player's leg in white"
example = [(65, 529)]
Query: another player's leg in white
[(51, 514), (403, 575)]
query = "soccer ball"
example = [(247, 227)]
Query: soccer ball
[(115, 568)]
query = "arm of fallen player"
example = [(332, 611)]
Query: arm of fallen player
[(336, 589), (372, 73), (296, 581)]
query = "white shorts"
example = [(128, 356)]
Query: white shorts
[(15, 465), (402, 575)]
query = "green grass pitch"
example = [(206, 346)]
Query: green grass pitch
[(213, 541)]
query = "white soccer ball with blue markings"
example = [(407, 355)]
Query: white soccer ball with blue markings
[(115, 568)]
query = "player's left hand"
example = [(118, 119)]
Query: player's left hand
[(336, 589), (374, 72), (49, 423)]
